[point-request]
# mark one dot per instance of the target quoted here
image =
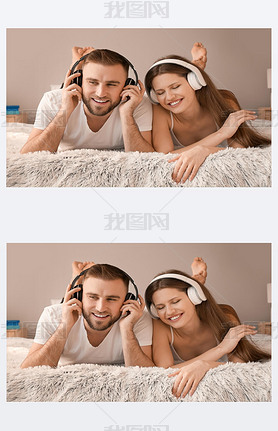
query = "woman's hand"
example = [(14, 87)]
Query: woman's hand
[(234, 120), (188, 163), (234, 335), (188, 378)]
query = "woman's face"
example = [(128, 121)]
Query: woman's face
[(173, 307), (173, 92)]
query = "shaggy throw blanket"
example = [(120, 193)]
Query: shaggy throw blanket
[(249, 167), (105, 383)]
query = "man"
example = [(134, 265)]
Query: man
[(102, 329), (102, 114)]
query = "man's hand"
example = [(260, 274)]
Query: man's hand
[(71, 94), (71, 309), (131, 311), (77, 52), (131, 96)]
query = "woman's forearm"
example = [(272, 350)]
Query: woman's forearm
[(211, 355), (210, 141)]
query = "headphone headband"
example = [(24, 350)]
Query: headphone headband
[(185, 279), (86, 270), (124, 58), (183, 64)]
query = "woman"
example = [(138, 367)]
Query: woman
[(192, 332), (191, 117)]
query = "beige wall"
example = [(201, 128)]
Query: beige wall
[(237, 273), (237, 58)]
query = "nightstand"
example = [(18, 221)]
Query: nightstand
[(21, 332), (264, 328), (16, 118), (264, 113)]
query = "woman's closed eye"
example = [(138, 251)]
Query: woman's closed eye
[(160, 307), (161, 92)]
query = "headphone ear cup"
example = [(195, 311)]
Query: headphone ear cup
[(153, 312), (129, 81), (78, 295), (78, 80), (130, 295), (193, 296), (193, 81), (153, 97)]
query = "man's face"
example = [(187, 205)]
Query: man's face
[(102, 300), (102, 86)]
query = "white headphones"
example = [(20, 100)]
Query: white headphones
[(194, 292), (194, 78)]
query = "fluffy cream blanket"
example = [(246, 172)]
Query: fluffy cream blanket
[(106, 383), (249, 167)]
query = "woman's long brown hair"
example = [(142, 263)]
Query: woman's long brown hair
[(217, 102), (217, 317)]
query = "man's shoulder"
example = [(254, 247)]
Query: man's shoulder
[(53, 96), (53, 311), (144, 109), (145, 320), (146, 315), (146, 102)]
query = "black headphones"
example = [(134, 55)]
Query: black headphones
[(78, 79), (78, 295)]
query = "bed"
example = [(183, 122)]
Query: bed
[(249, 167), (107, 383)]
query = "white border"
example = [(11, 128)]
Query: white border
[(233, 216)]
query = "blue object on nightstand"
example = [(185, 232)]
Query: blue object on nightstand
[(13, 324), (12, 109)]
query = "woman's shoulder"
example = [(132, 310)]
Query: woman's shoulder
[(162, 113), (162, 328)]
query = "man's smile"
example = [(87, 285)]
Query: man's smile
[(100, 316), (99, 101)]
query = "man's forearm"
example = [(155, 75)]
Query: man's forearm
[(133, 140), (50, 352), (133, 354), (50, 138)]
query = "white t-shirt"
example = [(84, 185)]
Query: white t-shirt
[(78, 350), (77, 133)]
